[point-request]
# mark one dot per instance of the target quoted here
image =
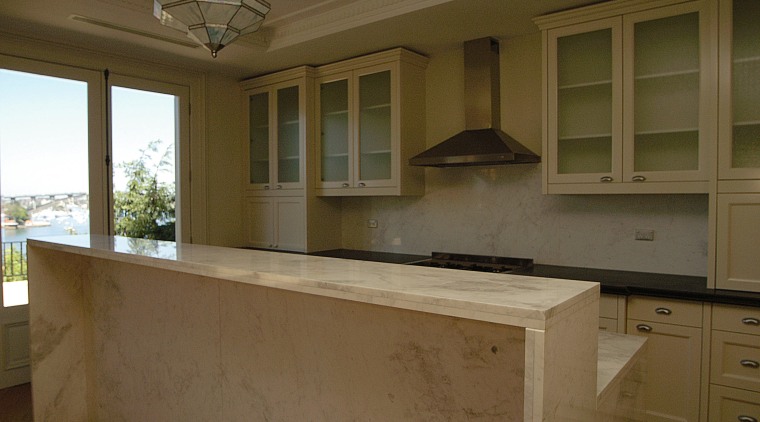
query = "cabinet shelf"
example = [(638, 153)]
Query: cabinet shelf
[(749, 59), (748, 123), (290, 122), (667, 131), (335, 113), (586, 84), (585, 136), (340, 155), (667, 74), (379, 151), (377, 107)]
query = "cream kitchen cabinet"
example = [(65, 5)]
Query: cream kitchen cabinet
[(735, 364), (370, 114), (276, 110), (276, 223), (674, 355), (281, 208), (612, 313), (629, 98), (738, 230), (739, 118)]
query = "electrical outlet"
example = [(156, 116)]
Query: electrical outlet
[(372, 223), (642, 234)]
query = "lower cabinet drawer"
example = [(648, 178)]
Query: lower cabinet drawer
[(608, 324), (666, 311), (733, 405), (735, 360)]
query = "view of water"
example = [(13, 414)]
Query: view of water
[(58, 226)]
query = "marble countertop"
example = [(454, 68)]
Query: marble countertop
[(511, 299), (617, 353), (670, 286)]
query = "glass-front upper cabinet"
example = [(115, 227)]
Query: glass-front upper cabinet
[(629, 98), (370, 120), (276, 137), (739, 154), (666, 121), (584, 103), (355, 130)]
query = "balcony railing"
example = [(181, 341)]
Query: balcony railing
[(14, 261)]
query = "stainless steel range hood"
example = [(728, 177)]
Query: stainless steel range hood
[(482, 142)]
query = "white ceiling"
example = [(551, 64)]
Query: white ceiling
[(295, 32)]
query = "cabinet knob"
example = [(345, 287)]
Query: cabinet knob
[(644, 328), (362, 184), (606, 179), (663, 311), (745, 418), (345, 185), (638, 178), (279, 187), (750, 321), (749, 363)]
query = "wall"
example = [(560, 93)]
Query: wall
[(225, 158), (501, 211)]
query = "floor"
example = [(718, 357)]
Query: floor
[(16, 404)]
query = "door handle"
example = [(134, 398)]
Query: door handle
[(644, 328), (638, 178), (749, 363), (606, 179)]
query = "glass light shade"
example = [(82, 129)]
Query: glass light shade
[(212, 23)]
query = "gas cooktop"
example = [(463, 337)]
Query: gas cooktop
[(491, 264)]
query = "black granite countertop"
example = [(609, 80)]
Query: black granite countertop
[(611, 281)]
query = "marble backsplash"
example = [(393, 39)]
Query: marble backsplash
[(501, 211)]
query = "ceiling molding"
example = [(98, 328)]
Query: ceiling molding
[(349, 16), (136, 5)]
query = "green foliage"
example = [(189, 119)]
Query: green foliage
[(17, 212), (146, 209), (14, 264)]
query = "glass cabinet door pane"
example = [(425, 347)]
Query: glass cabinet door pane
[(745, 151), (333, 98), (288, 136), (259, 137), (375, 126), (666, 94), (584, 103)]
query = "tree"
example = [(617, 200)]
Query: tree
[(17, 212), (146, 209), (14, 263)]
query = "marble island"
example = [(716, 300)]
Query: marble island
[(128, 329)]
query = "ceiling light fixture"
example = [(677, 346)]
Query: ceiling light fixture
[(212, 23)]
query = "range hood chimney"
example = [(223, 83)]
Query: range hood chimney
[(482, 142)]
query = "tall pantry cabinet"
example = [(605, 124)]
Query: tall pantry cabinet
[(738, 198), (282, 211)]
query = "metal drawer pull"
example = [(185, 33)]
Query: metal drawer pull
[(749, 363), (266, 187), (751, 321), (663, 311), (345, 185), (606, 179), (638, 178), (744, 418), (644, 328), (279, 186), (362, 184)]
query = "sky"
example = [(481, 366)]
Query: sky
[(43, 132)]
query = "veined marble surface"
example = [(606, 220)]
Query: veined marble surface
[(502, 298), (617, 354)]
